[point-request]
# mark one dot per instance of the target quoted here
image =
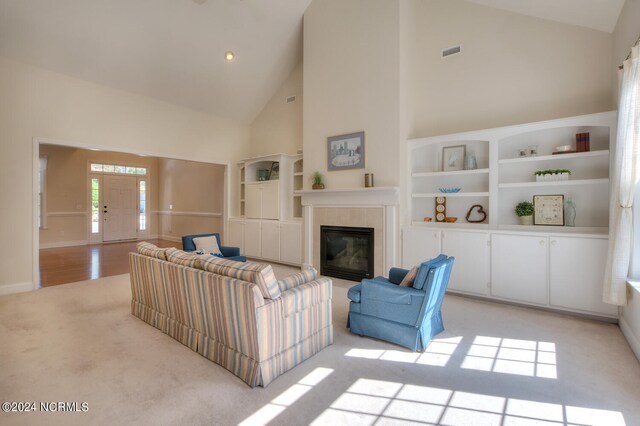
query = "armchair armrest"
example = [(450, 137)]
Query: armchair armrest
[(396, 275), (229, 251), (388, 293)]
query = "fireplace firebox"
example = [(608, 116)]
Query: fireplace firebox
[(346, 252)]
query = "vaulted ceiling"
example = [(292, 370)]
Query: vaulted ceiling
[(173, 49)]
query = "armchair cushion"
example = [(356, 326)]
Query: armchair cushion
[(207, 244)]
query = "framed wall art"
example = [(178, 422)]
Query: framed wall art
[(453, 157), (345, 152), (548, 210)]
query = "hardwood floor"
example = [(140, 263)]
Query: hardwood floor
[(70, 264)]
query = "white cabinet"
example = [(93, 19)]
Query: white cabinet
[(419, 245), (470, 273), (262, 200), (270, 240), (291, 242), (519, 268), (252, 238), (576, 274)]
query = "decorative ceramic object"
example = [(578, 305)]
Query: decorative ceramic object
[(441, 208), (470, 162), (427, 219), (450, 219), (449, 190), (569, 213)]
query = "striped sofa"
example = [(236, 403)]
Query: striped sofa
[(233, 313)]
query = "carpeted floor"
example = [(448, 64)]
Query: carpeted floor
[(494, 364)]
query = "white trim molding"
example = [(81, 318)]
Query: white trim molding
[(59, 244), (169, 238), (182, 213), (627, 332), (67, 214), (16, 288)]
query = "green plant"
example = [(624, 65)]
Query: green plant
[(524, 208), (317, 178), (552, 172)]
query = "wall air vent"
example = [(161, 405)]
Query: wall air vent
[(291, 99), (451, 51)]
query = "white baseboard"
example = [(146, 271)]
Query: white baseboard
[(64, 244), (16, 288), (630, 336)]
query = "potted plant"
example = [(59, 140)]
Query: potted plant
[(552, 175), (524, 210), (317, 180)]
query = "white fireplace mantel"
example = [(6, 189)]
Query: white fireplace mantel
[(386, 198), (376, 196)]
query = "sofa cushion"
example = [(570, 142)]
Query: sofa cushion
[(207, 245), (297, 279), (257, 273), (183, 258), (152, 250)]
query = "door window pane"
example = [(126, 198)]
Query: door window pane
[(95, 205), (143, 206)]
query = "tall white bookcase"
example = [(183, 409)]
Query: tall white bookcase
[(556, 267)]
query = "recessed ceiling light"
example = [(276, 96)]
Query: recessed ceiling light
[(229, 56)]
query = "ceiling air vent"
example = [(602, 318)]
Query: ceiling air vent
[(451, 51), (291, 99)]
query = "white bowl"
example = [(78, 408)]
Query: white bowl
[(563, 148)]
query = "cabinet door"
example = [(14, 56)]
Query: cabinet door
[(470, 273), (419, 245), (291, 242), (270, 240), (270, 200), (235, 237), (253, 201), (519, 268), (252, 238), (576, 274)]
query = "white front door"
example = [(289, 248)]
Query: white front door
[(119, 208)]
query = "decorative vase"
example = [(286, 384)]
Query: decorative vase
[(569, 213), (526, 220), (470, 162), (318, 186)]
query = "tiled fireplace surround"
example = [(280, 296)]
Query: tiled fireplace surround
[(375, 208)]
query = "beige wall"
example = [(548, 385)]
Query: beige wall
[(39, 103), (513, 68), (67, 190), (191, 198), (351, 83), (278, 127)]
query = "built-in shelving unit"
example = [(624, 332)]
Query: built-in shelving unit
[(503, 178), (298, 167)]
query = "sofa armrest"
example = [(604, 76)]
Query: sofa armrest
[(302, 297), (396, 275), (295, 280), (229, 251)]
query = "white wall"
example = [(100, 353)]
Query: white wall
[(39, 103), (513, 68), (278, 127), (351, 83)]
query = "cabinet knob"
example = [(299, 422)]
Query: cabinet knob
[(541, 242), (553, 242)]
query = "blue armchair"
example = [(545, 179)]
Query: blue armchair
[(407, 316), (231, 253)]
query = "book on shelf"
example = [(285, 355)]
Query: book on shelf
[(583, 142)]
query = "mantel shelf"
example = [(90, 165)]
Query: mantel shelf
[(450, 194), (451, 173), (587, 154), (554, 183)]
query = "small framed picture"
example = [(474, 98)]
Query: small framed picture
[(548, 210), (345, 152), (274, 172), (453, 157)]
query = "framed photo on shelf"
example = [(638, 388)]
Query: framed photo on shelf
[(274, 172), (345, 152), (548, 210), (453, 157)]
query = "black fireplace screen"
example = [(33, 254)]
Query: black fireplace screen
[(346, 252)]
